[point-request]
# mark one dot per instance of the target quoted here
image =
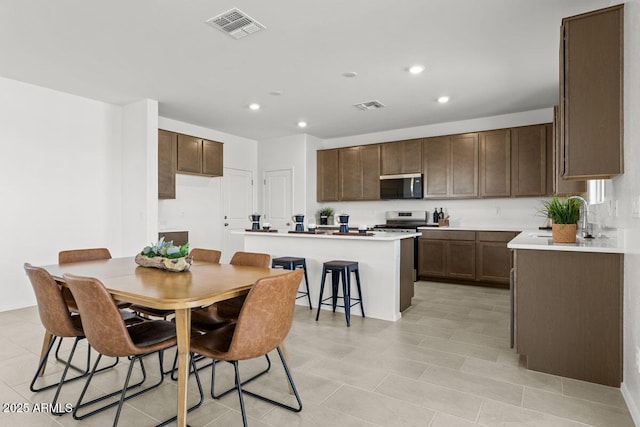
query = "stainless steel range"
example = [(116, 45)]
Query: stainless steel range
[(404, 221)]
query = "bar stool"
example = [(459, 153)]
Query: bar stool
[(344, 269), (291, 263)]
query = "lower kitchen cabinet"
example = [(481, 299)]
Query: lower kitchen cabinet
[(568, 308), (468, 257), (447, 254)]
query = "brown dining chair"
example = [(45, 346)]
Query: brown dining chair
[(263, 323), (59, 322), (196, 254), (108, 334), (223, 312)]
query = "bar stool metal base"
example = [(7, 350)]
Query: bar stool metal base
[(341, 269), (291, 263)]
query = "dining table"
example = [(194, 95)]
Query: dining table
[(203, 284)]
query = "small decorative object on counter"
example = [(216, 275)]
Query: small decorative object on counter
[(440, 214), (565, 214), (255, 221), (343, 218), (299, 220), (326, 214), (266, 226), (444, 222), (362, 229), (165, 256), (312, 228), (436, 217)]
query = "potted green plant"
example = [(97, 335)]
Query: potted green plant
[(564, 213), (325, 214)]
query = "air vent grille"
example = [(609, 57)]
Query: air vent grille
[(235, 23), (369, 105)]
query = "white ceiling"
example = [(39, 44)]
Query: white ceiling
[(491, 57)]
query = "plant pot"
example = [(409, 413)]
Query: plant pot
[(170, 264), (563, 233), (324, 220)]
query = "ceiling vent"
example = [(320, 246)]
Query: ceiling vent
[(235, 23), (369, 105)]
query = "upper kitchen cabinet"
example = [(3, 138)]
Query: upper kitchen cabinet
[(401, 157), (327, 175), (359, 175), (199, 156), (529, 161), (451, 166), (167, 155), (495, 163), (556, 184), (591, 88)]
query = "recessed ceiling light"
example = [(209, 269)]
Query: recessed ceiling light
[(443, 99), (416, 69), (349, 74), (254, 106), (302, 124)]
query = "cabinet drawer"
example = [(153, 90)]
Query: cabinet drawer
[(449, 235), (496, 236)]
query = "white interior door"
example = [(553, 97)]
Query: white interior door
[(238, 205), (278, 198)]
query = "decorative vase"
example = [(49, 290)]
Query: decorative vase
[(563, 233), (324, 220), (169, 264)]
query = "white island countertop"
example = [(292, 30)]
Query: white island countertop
[(475, 228), (377, 235), (541, 240)]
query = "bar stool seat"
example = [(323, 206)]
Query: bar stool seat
[(342, 269), (292, 263)]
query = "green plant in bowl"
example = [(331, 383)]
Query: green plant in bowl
[(564, 213), (562, 210), (326, 211)]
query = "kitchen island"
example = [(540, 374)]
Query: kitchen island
[(385, 262), (568, 306)]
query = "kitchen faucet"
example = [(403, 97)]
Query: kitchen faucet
[(584, 223)]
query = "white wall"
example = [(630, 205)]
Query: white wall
[(61, 180), (626, 189), (506, 211), (198, 206)]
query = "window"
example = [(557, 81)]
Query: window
[(596, 191)]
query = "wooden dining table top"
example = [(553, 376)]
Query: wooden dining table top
[(203, 284)]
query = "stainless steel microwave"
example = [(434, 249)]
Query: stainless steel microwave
[(405, 186)]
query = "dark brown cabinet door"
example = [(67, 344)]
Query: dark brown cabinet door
[(436, 162), (370, 167), (350, 174), (591, 91), (391, 158), (464, 166), (401, 157), (495, 163), (189, 154), (556, 184), (212, 163), (461, 259), (167, 153), (494, 258), (327, 175), (528, 161), (431, 260), (360, 172)]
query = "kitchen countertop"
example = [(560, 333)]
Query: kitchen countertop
[(376, 235), (541, 240), (475, 228)]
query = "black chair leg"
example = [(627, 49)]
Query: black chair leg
[(306, 281), (240, 397), (230, 390), (192, 360), (324, 276), (346, 295), (335, 279), (357, 273), (291, 383), (67, 363)]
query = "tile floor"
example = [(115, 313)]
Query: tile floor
[(447, 362)]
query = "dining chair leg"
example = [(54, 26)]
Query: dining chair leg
[(240, 397), (291, 384), (67, 363), (230, 390), (48, 337), (84, 371)]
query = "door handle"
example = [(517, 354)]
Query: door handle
[(226, 224)]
